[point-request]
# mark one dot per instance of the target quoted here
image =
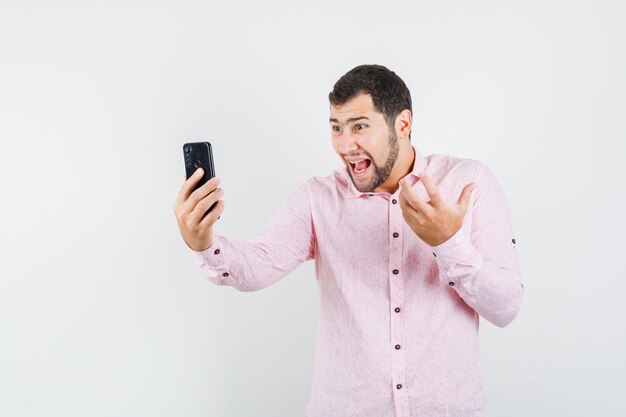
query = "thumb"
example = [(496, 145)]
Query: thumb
[(464, 198)]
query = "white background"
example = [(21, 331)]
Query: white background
[(102, 309)]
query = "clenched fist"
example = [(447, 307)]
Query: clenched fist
[(190, 208)]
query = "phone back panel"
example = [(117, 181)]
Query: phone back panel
[(199, 154)]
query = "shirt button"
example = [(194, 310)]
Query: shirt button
[(394, 201), (513, 241), (225, 274), (217, 251), (396, 234), (397, 347), (399, 386), (451, 284), (371, 195), (434, 254), (395, 272), (397, 309)]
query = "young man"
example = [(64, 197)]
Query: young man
[(409, 251)]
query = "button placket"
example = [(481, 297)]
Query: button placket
[(396, 285)]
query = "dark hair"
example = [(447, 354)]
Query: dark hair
[(389, 93)]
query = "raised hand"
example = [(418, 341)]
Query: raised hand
[(190, 208), (433, 221)]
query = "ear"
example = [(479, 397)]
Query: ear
[(404, 123)]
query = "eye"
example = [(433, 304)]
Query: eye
[(359, 126), (336, 128)]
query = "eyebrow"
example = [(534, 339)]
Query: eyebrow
[(350, 120)]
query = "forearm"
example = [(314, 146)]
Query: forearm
[(288, 241), (247, 266), (491, 285)]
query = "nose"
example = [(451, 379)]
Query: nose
[(347, 143)]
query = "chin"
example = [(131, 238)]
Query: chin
[(366, 185)]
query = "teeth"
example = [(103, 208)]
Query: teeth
[(354, 163)]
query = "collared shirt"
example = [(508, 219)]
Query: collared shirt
[(398, 319)]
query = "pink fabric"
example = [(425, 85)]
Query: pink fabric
[(398, 319)]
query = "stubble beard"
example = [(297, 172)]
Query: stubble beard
[(381, 173)]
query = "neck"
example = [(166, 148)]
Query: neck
[(403, 165)]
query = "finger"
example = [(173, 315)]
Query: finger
[(464, 198), (411, 197), (201, 193), (406, 194), (431, 189), (405, 205), (205, 204), (188, 185), (215, 214)]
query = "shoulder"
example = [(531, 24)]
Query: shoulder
[(452, 174), (333, 184), (454, 165)]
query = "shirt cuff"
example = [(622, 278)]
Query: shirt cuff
[(213, 261), (455, 249), (458, 260)]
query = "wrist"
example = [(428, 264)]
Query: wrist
[(200, 246)]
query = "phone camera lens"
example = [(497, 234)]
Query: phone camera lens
[(188, 164)]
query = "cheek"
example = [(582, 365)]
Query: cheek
[(336, 144), (379, 151), (366, 143)]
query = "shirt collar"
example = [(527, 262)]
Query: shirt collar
[(419, 165)]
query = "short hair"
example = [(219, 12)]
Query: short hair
[(389, 93)]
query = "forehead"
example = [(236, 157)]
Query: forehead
[(361, 105)]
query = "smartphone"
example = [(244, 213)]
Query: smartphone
[(199, 155)]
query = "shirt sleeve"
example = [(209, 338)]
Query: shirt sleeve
[(481, 264), (251, 265)]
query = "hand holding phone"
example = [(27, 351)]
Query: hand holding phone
[(199, 204)]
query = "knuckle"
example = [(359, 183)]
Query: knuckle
[(189, 224), (193, 199), (186, 186)]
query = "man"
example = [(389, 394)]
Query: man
[(409, 251)]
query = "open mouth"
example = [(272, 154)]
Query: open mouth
[(360, 166)]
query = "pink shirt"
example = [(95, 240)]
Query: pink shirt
[(398, 319)]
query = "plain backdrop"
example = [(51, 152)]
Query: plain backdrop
[(103, 311)]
